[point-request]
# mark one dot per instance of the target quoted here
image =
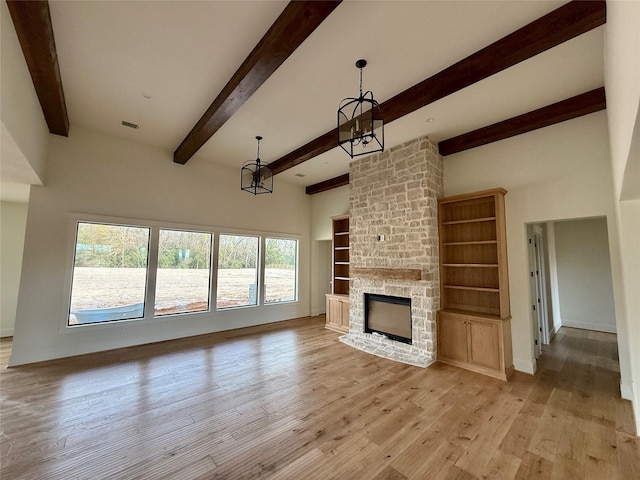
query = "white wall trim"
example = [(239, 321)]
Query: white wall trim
[(525, 366), (6, 332), (626, 392), (589, 326), (553, 276)]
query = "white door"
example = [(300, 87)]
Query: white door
[(541, 292), (537, 297), (536, 324)]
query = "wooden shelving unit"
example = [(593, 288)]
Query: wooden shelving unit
[(474, 294), (337, 312), (340, 280)]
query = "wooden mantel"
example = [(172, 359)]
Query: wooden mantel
[(387, 273)]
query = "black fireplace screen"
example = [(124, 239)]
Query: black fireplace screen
[(388, 316)]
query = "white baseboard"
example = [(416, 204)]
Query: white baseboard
[(524, 366), (552, 333), (636, 412), (6, 332), (626, 391), (589, 326), (315, 313)]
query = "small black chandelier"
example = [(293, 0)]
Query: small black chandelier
[(255, 177), (360, 124)]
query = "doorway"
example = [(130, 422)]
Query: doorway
[(570, 280)]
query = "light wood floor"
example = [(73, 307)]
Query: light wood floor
[(294, 403)]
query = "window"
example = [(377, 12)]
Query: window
[(183, 275), (280, 270), (237, 271), (109, 273), (113, 262)]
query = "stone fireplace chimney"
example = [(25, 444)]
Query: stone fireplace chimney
[(394, 245)]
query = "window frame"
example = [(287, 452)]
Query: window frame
[(259, 270), (71, 266), (214, 314), (297, 270), (211, 271)]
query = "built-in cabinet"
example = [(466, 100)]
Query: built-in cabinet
[(477, 342), (474, 329), (337, 312)]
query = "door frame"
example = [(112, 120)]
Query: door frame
[(537, 287)]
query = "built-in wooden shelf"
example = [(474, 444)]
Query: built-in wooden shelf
[(476, 289), (469, 220), (474, 329), (341, 253), (472, 265), (476, 242), (387, 273), (337, 312)]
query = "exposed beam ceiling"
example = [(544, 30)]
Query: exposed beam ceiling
[(573, 107), (558, 26), (32, 21), (328, 184), (583, 104), (298, 20)]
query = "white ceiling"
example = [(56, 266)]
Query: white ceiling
[(182, 53)]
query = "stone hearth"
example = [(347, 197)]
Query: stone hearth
[(393, 226)]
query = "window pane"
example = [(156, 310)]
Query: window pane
[(184, 266), (109, 273), (280, 270), (237, 271)]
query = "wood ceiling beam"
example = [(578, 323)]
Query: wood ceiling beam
[(297, 21), (558, 26), (573, 107), (32, 21), (583, 104), (328, 184)]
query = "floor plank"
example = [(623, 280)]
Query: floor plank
[(289, 401)]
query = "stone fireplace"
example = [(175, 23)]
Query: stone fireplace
[(394, 245)]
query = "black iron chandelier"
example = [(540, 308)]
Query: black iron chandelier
[(255, 177), (360, 124)]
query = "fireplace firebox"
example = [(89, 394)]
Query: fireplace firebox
[(388, 316)]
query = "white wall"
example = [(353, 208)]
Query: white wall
[(553, 276), (622, 83), (13, 221), (554, 173), (94, 174), (547, 281), (584, 275), (324, 206), (24, 130)]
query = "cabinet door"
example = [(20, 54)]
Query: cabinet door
[(484, 344), (452, 338), (345, 314), (334, 311)]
